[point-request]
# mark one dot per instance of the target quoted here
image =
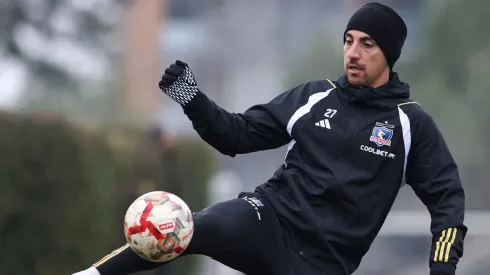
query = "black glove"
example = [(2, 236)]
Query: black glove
[(178, 83)]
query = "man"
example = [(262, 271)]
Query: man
[(352, 142)]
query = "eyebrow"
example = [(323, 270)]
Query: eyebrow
[(363, 38)]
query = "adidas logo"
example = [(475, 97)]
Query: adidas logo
[(324, 123)]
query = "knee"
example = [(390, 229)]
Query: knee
[(217, 221)]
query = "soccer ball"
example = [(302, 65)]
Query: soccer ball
[(158, 226)]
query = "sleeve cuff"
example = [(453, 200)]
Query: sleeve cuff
[(195, 102), (442, 269), (197, 109)]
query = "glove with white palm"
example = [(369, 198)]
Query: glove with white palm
[(179, 83)]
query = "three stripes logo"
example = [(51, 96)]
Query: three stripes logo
[(324, 123), (443, 246)]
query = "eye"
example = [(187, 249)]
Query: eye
[(368, 45), (348, 42)]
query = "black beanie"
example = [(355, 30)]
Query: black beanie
[(384, 25)]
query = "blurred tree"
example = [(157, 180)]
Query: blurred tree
[(66, 188), (36, 33), (321, 59), (456, 35), (455, 60), (99, 102)]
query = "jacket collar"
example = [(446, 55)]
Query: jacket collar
[(393, 89)]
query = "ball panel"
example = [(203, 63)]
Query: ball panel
[(139, 205)]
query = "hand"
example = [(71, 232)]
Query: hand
[(178, 83)]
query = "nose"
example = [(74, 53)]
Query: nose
[(353, 52)]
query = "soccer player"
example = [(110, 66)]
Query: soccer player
[(352, 142)]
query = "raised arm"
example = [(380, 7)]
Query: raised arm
[(261, 127)]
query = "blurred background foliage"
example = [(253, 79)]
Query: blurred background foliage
[(65, 189), (73, 161)]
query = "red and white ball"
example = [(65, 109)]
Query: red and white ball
[(158, 226)]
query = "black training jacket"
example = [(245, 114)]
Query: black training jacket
[(349, 150)]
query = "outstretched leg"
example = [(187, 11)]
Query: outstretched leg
[(242, 233)]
